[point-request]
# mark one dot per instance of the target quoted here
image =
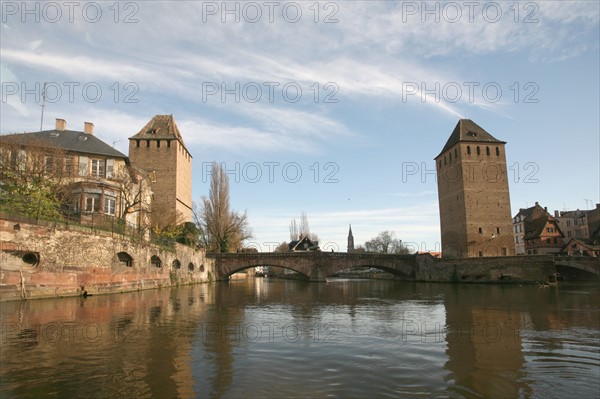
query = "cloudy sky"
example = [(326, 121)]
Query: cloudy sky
[(332, 108)]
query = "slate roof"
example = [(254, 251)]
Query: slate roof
[(298, 245), (160, 127), (468, 131), (69, 140), (533, 212)]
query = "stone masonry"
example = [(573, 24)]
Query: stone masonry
[(46, 261)]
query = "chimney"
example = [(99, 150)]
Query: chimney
[(536, 203), (556, 214), (597, 206), (546, 209), (88, 128), (61, 124)]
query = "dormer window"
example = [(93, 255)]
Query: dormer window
[(472, 134), (151, 131)]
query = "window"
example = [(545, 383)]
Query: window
[(109, 205), (478, 151), (110, 168), (497, 151), (504, 251), (69, 166), (157, 143), (155, 261), (92, 202), (547, 241), (168, 143), (455, 153), (480, 230), (568, 234), (137, 144), (497, 230), (98, 167), (445, 160), (487, 151), (568, 223), (480, 254), (469, 150), (450, 157)]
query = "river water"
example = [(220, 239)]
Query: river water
[(277, 338)]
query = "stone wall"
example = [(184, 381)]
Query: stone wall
[(522, 269), (48, 261)]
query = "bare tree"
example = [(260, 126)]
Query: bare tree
[(294, 232), (221, 229), (283, 247), (304, 229), (301, 230), (387, 243), (133, 187)]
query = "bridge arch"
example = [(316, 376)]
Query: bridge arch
[(237, 269)]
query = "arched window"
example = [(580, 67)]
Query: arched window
[(455, 153), (125, 259), (469, 150), (191, 267), (155, 261), (497, 151), (176, 264), (445, 160), (487, 151), (478, 151), (450, 157)]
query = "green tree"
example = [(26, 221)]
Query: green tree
[(33, 176)]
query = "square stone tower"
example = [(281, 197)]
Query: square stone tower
[(475, 214), (159, 149)]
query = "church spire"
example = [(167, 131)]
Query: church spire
[(350, 240)]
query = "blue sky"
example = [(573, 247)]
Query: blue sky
[(393, 78)]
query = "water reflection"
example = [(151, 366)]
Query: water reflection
[(274, 338)]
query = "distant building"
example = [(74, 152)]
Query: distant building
[(350, 240), (578, 247), (542, 235), (473, 194), (159, 149), (573, 224), (593, 219), (524, 214), (304, 243)]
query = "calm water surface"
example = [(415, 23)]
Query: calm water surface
[(276, 338)]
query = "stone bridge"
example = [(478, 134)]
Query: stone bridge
[(585, 263), (316, 266)]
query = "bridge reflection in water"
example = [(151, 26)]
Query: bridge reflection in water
[(275, 338)]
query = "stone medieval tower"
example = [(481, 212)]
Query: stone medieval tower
[(159, 149), (475, 214)]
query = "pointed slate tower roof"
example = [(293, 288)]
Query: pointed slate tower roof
[(468, 131), (160, 127)]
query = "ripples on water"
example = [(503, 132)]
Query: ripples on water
[(274, 338)]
